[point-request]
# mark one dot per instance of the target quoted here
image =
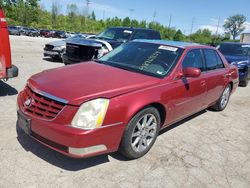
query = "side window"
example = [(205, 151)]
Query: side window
[(220, 63), (193, 59), (211, 59), (154, 35), (141, 34)]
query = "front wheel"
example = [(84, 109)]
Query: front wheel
[(141, 133), (223, 100), (244, 83)]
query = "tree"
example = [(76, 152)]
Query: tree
[(203, 36), (234, 25), (179, 36), (126, 22), (93, 17), (55, 9)]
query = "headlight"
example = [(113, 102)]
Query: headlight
[(91, 114), (240, 62), (58, 48)]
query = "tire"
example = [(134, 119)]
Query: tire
[(244, 83), (140, 133), (223, 100)]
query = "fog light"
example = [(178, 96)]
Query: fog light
[(88, 150)]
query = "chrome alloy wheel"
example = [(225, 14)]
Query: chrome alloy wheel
[(225, 97), (144, 133)]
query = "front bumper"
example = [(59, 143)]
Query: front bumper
[(58, 135), (52, 53), (70, 60)]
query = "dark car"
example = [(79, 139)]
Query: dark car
[(238, 54), (60, 34), (24, 30), (84, 50), (33, 32), (121, 101), (56, 49), (14, 30)]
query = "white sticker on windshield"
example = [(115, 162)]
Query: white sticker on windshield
[(169, 48), (245, 46), (127, 31)]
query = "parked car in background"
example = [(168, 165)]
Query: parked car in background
[(56, 49), (60, 34), (122, 100), (44, 32), (84, 50), (7, 69), (14, 30), (33, 32), (24, 30), (238, 54)]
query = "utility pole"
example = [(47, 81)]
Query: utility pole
[(131, 12), (217, 28), (192, 25), (154, 15), (87, 11), (103, 15), (170, 20)]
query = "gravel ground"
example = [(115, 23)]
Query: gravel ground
[(210, 149)]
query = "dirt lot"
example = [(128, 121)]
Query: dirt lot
[(209, 149)]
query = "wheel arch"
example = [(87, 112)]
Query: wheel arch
[(160, 107)]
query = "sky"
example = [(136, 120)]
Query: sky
[(180, 14)]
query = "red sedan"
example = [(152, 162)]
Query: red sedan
[(121, 101)]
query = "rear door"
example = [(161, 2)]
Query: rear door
[(216, 76)]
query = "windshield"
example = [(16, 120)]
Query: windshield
[(118, 34), (145, 58), (235, 49)]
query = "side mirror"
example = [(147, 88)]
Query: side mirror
[(191, 72)]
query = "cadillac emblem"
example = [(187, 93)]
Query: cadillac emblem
[(28, 102)]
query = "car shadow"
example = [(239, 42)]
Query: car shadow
[(55, 158), (7, 90), (120, 157), (168, 128), (53, 60)]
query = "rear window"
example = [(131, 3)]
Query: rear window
[(146, 34), (213, 61)]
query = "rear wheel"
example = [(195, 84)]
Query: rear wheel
[(141, 133), (223, 100)]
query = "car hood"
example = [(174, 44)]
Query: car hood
[(81, 82), (231, 58), (94, 42), (58, 43)]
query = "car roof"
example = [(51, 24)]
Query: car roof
[(132, 28), (236, 43), (178, 44)]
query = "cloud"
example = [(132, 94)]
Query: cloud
[(105, 7), (213, 26)]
